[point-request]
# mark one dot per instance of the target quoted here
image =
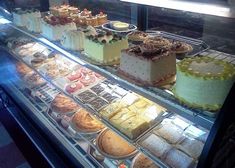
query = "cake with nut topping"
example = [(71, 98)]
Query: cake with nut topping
[(148, 63)]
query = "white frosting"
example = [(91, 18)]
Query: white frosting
[(73, 40)]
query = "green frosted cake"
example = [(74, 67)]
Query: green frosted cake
[(203, 82)]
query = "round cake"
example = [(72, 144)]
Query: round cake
[(63, 104), (113, 145), (84, 122), (203, 82)]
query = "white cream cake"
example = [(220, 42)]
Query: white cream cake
[(105, 48), (21, 16), (74, 39), (148, 64), (203, 82), (53, 27)]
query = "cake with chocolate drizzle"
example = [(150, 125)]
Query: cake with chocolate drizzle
[(148, 63)]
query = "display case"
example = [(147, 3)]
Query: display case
[(96, 114)]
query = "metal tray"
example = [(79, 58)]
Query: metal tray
[(199, 46)]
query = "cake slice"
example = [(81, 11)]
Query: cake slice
[(111, 110), (148, 64), (105, 48)]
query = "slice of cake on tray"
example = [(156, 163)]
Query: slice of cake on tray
[(74, 39), (148, 63), (53, 27), (105, 48), (203, 82)]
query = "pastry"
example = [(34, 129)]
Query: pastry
[(156, 145), (192, 147), (113, 145), (158, 41), (63, 104), (84, 122), (98, 103), (109, 97), (121, 26), (129, 99), (36, 62), (87, 80), (178, 159), (141, 161), (111, 109), (86, 96), (34, 79), (86, 71), (102, 18), (74, 87), (22, 69), (203, 82), (74, 76), (105, 47), (170, 132), (91, 21), (98, 89), (148, 64)]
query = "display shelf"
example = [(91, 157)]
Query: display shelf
[(160, 96)]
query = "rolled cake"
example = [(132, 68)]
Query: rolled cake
[(203, 82)]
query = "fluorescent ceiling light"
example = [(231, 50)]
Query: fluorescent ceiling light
[(203, 8), (4, 21)]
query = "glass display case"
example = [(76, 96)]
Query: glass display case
[(96, 115)]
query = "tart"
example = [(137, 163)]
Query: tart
[(102, 18), (63, 104), (120, 26), (113, 146), (181, 49), (87, 80), (72, 88), (137, 36), (158, 41), (141, 161), (84, 122)]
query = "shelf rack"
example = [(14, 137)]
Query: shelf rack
[(159, 96)]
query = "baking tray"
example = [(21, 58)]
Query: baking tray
[(199, 46)]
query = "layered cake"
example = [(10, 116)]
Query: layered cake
[(34, 24), (63, 104), (203, 82), (101, 18), (63, 10), (113, 145), (74, 39), (53, 27), (84, 122), (105, 48), (148, 63), (21, 16)]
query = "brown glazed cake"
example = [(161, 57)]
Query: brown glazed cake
[(148, 63)]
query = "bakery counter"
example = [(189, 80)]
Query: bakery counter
[(162, 96)]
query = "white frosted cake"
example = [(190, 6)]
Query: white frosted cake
[(21, 17), (74, 39), (105, 47), (148, 64), (53, 27), (203, 82)]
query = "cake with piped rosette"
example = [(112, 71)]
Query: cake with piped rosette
[(203, 82), (148, 63)]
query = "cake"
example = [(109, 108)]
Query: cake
[(92, 21), (101, 18), (148, 63), (73, 87), (63, 10), (104, 48), (63, 104), (53, 27), (203, 82), (21, 16), (111, 110), (34, 24), (22, 69), (84, 122), (74, 76), (142, 161), (113, 145), (33, 79)]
